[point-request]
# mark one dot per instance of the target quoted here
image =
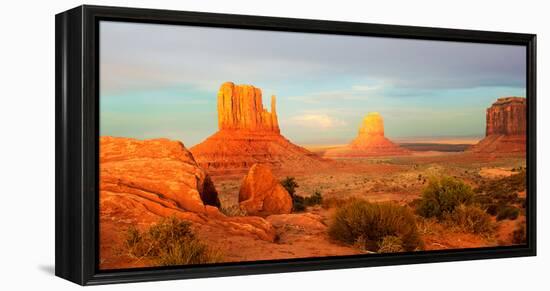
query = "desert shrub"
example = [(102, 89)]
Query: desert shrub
[(443, 196), (493, 208), (289, 183), (391, 244), (170, 242), (298, 202), (233, 210), (470, 218), (507, 212), (315, 199), (519, 235), (504, 190), (369, 223)]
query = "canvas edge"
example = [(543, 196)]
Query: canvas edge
[(76, 142)]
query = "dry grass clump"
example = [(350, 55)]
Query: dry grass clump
[(170, 242), (332, 202), (233, 210), (372, 224), (470, 218)]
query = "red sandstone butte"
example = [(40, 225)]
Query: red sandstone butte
[(249, 134), (370, 141), (505, 128)]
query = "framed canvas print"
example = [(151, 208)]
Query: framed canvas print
[(197, 144)]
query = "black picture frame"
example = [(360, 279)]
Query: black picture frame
[(76, 177)]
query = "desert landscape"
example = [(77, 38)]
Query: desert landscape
[(248, 193)]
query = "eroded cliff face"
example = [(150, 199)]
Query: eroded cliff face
[(240, 107), (505, 128), (248, 134), (370, 141), (507, 116)]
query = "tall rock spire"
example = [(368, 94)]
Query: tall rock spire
[(240, 107)]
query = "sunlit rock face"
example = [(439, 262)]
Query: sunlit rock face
[(261, 193), (240, 107), (249, 134), (144, 181), (505, 128), (370, 141)]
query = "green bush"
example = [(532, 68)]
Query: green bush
[(443, 196), (470, 218), (170, 242), (315, 199), (507, 212), (370, 223), (289, 183), (298, 202)]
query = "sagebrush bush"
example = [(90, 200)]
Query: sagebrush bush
[(370, 223), (507, 212), (170, 242), (470, 218), (443, 196), (391, 244)]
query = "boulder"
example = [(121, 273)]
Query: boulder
[(261, 194)]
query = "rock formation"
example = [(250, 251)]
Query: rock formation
[(261, 194), (248, 134), (370, 141), (241, 108), (144, 181), (505, 128)]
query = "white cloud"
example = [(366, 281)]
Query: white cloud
[(313, 120)]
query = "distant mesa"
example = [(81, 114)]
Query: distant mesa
[(505, 128), (248, 134), (370, 141)]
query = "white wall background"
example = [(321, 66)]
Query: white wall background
[(27, 145)]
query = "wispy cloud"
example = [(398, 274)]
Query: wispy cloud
[(313, 120), (355, 92)]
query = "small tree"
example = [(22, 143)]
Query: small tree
[(298, 202), (289, 183)]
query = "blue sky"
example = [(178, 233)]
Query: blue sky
[(162, 81)]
